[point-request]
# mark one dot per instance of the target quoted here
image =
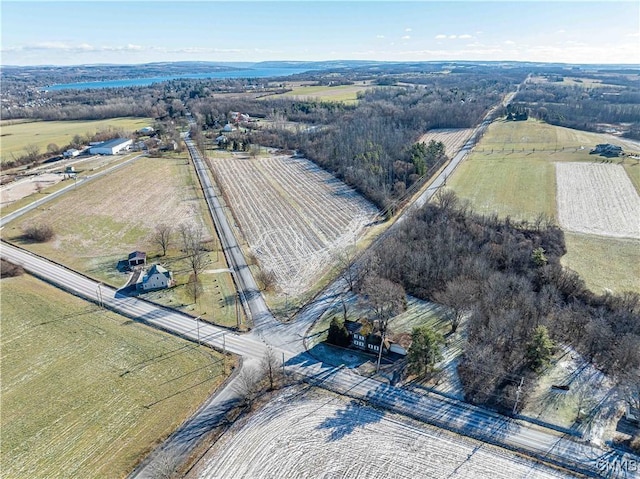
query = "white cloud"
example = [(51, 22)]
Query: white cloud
[(465, 36), (440, 37), (379, 36), (452, 37), (406, 37), (408, 29), (509, 42)]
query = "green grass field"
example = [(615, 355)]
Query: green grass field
[(511, 172), (339, 93), (99, 223), (15, 137), (86, 392)]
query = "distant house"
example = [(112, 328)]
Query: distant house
[(146, 130), (607, 149), (71, 153), (156, 278), (137, 258), (228, 128), (111, 147)]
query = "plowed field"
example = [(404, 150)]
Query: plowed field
[(293, 214), (317, 435), (597, 198)]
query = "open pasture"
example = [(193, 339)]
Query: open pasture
[(512, 172), (86, 392), (16, 136), (453, 138), (314, 434), (100, 223), (338, 93), (293, 214), (597, 199)]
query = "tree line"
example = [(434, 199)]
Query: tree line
[(507, 280)]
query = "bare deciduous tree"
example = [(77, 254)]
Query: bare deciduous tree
[(271, 368), (162, 237), (192, 244), (247, 385), (386, 299), (194, 287), (458, 296)]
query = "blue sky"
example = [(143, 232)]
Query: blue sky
[(80, 32)]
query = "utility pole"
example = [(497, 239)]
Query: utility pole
[(518, 391), (99, 294), (198, 328), (283, 372)]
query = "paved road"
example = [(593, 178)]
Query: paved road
[(250, 295), (79, 181), (287, 340)]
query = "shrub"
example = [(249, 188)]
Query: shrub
[(40, 233), (9, 270)]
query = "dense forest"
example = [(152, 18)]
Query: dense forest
[(612, 102), (371, 145), (506, 279)]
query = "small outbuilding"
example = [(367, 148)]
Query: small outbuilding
[(156, 278), (137, 258), (111, 147), (71, 153)]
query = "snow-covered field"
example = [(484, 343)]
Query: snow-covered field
[(293, 214), (453, 138), (314, 434), (597, 198)]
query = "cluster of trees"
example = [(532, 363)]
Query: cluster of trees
[(584, 108), (506, 278), (193, 244)]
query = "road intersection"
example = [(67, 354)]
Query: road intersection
[(286, 340)]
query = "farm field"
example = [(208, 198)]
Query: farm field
[(606, 264), (512, 172), (293, 214), (16, 136), (100, 223), (313, 434), (597, 199), (86, 392), (453, 138), (338, 93)]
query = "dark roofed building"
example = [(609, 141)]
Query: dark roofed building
[(137, 258)]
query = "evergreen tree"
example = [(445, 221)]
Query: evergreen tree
[(424, 352)]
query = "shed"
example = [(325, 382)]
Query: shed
[(137, 258)]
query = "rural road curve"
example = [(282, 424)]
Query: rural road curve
[(287, 340), (449, 414)]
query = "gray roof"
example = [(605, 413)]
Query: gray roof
[(112, 143)]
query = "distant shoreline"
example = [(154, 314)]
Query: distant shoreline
[(128, 82)]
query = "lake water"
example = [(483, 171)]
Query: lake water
[(247, 73)]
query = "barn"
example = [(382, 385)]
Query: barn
[(111, 147)]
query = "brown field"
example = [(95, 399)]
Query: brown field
[(453, 138), (99, 223), (294, 215)]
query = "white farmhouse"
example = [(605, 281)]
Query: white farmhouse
[(156, 278), (111, 147)]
